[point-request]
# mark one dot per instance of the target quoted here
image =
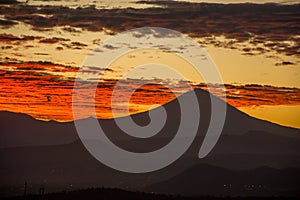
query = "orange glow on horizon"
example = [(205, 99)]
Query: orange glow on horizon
[(48, 96)]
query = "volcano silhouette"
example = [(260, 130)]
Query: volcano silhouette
[(249, 152)]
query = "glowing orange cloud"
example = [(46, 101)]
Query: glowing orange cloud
[(40, 90)]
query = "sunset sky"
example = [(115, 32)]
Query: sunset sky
[(255, 46)]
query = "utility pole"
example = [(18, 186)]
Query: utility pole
[(42, 190), (25, 188)]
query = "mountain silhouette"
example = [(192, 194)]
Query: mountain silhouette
[(51, 154), (22, 130)]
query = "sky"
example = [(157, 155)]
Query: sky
[(256, 49)]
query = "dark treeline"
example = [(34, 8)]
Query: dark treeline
[(108, 194)]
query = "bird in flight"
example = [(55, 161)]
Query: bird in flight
[(49, 98)]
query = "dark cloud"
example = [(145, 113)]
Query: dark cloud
[(7, 23), (79, 44), (59, 48), (53, 40), (267, 24), (9, 2), (110, 47), (71, 30), (94, 71), (6, 47), (7, 38), (41, 54), (284, 63)]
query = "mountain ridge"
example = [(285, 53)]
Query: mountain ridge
[(36, 132)]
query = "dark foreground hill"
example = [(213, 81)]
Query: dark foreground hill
[(205, 179)]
